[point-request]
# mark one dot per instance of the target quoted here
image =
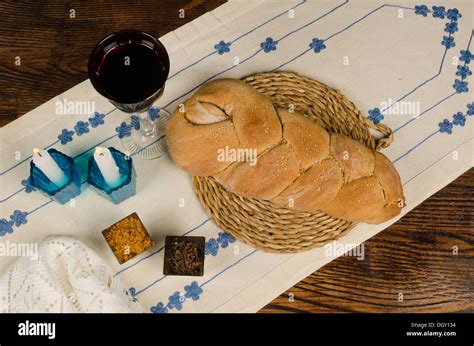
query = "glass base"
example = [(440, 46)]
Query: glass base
[(150, 146)]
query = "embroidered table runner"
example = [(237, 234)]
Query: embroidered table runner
[(403, 63)]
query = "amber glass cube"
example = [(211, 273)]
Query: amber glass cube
[(128, 238)]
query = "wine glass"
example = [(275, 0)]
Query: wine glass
[(130, 68)]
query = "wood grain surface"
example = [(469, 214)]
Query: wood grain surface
[(409, 267), (54, 48)]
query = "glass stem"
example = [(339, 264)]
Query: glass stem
[(147, 126)]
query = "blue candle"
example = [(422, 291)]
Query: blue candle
[(111, 190), (107, 166), (43, 160)]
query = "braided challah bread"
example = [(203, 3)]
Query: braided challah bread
[(298, 163)]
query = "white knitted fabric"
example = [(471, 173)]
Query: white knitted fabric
[(65, 276)]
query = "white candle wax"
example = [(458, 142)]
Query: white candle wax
[(107, 166), (44, 162)]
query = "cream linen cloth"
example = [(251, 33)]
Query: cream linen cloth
[(375, 52), (63, 275)]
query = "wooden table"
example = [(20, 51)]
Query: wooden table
[(413, 258)]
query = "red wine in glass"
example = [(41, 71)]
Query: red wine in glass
[(130, 69)]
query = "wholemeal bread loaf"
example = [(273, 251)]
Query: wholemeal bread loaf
[(296, 164)]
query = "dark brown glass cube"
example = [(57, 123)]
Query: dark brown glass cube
[(128, 238), (184, 256)]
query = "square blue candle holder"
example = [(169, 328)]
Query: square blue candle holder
[(59, 194), (127, 175)]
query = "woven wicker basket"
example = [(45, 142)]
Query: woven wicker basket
[(261, 224)]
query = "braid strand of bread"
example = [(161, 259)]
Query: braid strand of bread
[(299, 164)]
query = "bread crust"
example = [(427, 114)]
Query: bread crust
[(298, 163), (275, 170)]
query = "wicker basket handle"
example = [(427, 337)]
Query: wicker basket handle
[(387, 134), (385, 137)]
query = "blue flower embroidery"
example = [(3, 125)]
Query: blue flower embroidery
[(460, 86), (446, 126), (268, 45), (124, 130), (65, 136), (453, 14), (466, 56), (27, 184), (222, 47), (159, 309), (132, 291), (317, 45), (448, 42), (19, 217), (451, 27), (375, 115), (193, 291), (5, 227), (470, 108), (224, 239), (175, 301), (438, 12), (135, 122), (459, 119), (81, 128), (154, 113), (211, 247), (97, 119), (463, 71), (421, 10)]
